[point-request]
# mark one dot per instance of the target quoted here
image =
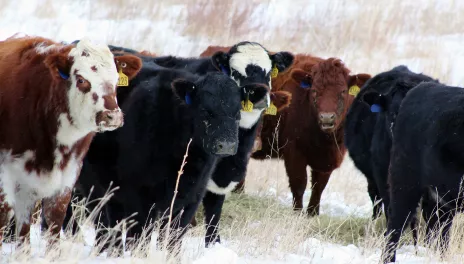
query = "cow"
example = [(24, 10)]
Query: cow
[(130, 66), (368, 132), (232, 170), (311, 128), (426, 161), (54, 98), (165, 109)]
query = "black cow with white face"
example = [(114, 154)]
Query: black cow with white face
[(246, 63), (369, 123), (427, 161)]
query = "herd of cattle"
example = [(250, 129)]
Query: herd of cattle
[(78, 117)]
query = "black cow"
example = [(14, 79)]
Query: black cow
[(247, 63), (368, 127), (159, 123), (427, 158)]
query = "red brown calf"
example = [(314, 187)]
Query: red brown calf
[(310, 132), (54, 98)]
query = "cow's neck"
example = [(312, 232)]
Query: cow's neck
[(250, 119), (69, 133)]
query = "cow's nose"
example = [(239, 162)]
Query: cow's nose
[(226, 148), (327, 120), (327, 117), (110, 120)]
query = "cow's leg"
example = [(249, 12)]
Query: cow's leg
[(5, 210), (403, 204), (240, 188), (112, 213), (213, 208), (194, 221), (446, 222), (295, 165), (55, 209), (178, 228), (319, 181), (375, 198), (439, 218), (23, 223)]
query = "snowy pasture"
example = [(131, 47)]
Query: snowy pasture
[(260, 226)]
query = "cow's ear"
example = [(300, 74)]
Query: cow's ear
[(220, 61), (184, 89), (282, 60), (376, 101), (302, 78), (358, 79), (59, 65), (130, 65), (281, 99)]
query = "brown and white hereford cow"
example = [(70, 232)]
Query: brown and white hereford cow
[(53, 98), (311, 128)]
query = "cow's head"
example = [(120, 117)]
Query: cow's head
[(89, 72), (327, 85), (214, 102), (249, 63), (384, 93)]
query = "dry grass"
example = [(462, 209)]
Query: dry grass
[(370, 36)]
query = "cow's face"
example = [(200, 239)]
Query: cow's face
[(214, 102), (249, 63), (327, 85), (92, 77)]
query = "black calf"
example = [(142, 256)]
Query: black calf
[(368, 127), (427, 157)]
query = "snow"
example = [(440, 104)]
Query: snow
[(312, 251)]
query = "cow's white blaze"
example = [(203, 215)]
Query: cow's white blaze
[(250, 54), (82, 106), (212, 187)]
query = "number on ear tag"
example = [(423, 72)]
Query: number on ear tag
[(272, 110), (247, 106), (274, 72), (123, 79), (354, 90)]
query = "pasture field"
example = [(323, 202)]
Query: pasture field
[(260, 225)]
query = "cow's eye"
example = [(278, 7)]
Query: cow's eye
[(80, 80)]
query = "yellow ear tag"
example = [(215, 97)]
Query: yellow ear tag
[(247, 106), (271, 110), (123, 79), (274, 72), (354, 90)]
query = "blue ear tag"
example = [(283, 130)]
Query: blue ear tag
[(375, 108), (224, 70), (188, 99), (63, 75), (304, 85)]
